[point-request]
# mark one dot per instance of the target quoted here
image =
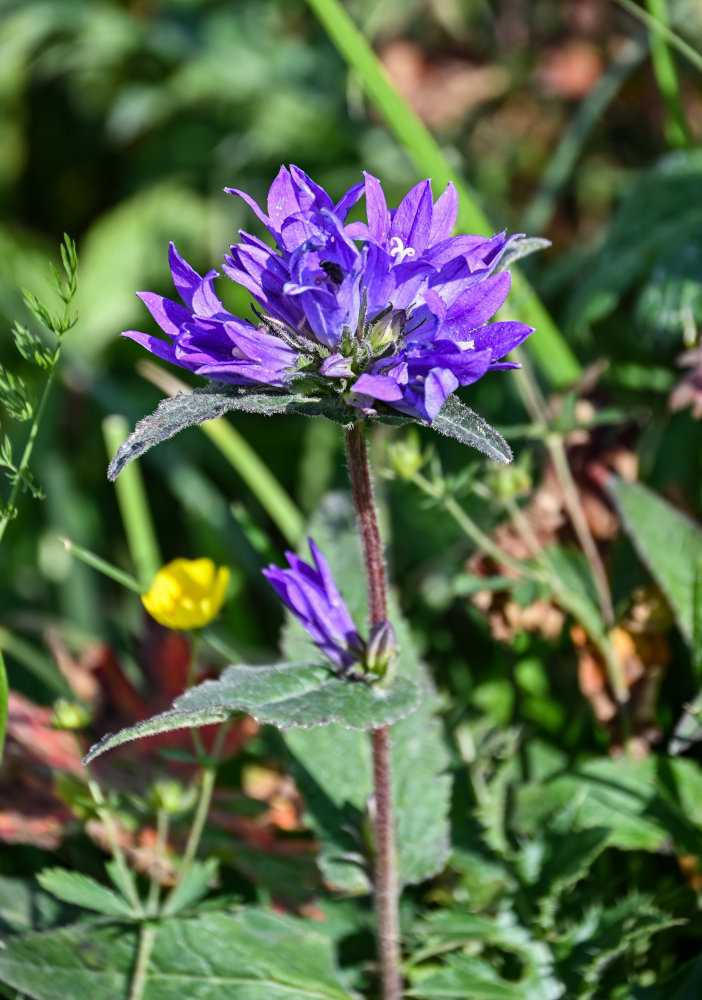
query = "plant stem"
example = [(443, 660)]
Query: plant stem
[(160, 853), (147, 935), (117, 852), (677, 130), (27, 453), (4, 705), (385, 882)]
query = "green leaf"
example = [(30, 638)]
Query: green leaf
[(468, 976), (688, 730), (686, 984), (458, 421), (192, 888), (81, 890), (252, 955), (668, 542), (332, 766), (25, 906), (282, 695), (183, 410), (601, 935), (644, 804), (653, 242), (523, 246)]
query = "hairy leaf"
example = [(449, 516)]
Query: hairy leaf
[(458, 421), (521, 247), (667, 541), (252, 955), (283, 695), (183, 410)]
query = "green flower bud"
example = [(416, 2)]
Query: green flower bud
[(70, 714)]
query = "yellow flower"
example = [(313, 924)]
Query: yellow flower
[(187, 593)]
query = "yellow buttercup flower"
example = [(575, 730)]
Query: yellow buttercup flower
[(186, 593)]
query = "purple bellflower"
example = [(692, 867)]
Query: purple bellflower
[(391, 312), (310, 593)]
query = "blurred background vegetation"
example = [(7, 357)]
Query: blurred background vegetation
[(121, 122)]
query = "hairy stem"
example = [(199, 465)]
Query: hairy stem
[(385, 882)]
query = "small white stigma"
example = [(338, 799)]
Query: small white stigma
[(400, 251)]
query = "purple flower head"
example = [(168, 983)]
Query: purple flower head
[(391, 312), (310, 593)]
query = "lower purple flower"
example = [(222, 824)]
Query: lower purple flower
[(310, 593), (392, 313)]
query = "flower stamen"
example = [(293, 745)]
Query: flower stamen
[(400, 251)]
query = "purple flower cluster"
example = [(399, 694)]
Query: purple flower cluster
[(310, 593), (393, 310)]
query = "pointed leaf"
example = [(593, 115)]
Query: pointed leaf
[(667, 541), (185, 409), (192, 888), (282, 695), (81, 890), (458, 421), (252, 955), (521, 247)]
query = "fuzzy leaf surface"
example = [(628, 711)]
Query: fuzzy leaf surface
[(282, 695), (175, 413), (458, 421), (252, 955)]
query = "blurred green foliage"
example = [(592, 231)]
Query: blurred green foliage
[(571, 874)]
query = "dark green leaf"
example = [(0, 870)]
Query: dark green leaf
[(185, 409), (252, 955), (686, 984), (458, 421), (283, 695), (667, 541), (655, 240), (468, 976), (333, 766)]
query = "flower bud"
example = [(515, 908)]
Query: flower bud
[(172, 797), (405, 456), (187, 593), (381, 649), (70, 714)]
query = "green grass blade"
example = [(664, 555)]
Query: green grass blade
[(549, 349), (134, 507), (677, 130)]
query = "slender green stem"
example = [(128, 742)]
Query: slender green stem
[(102, 566), (134, 506), (4, 705), (677, 130), (386, 885), (160, 854), (29, 446), (550, 349), (147, 936), (673, 39), (117, 852), (209, 778)]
